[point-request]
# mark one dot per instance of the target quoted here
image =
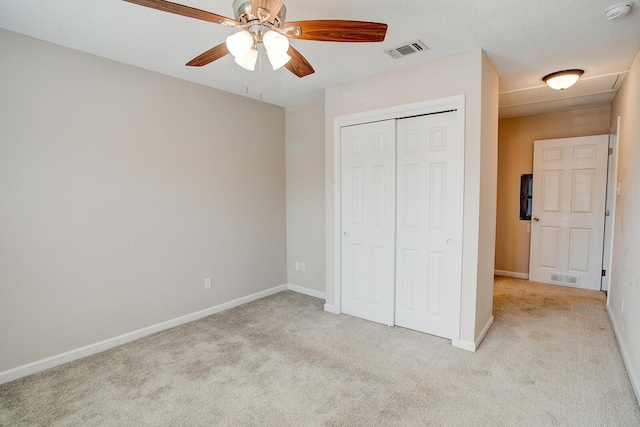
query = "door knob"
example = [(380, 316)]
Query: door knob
[(346, 234), (536, 219)]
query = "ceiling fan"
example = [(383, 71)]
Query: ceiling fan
[(264, 21)]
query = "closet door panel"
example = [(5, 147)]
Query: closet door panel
[(368, 220), (429, 222)]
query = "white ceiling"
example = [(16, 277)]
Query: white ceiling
[(524, 39)]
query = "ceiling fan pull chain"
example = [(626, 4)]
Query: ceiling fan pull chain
[(246, 81), (260, 74)]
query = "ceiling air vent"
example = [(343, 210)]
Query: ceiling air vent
[(407, 49)]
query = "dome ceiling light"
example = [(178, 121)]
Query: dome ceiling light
[(618, 10), (561, 80)]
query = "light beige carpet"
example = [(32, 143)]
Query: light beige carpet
[(550, 359)]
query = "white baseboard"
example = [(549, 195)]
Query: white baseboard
[(524, 276), (484, 331), (331, 309), (473, 346), (306, 291), (464, 345), (633, 375), (69, 356)]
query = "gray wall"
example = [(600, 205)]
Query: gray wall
[(305, 195), (625, 277), (120, 191)]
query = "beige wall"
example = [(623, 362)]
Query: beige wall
[(488, 194), (625, 278), (305, 195), (120, 191), (515, 157), (460, 74)]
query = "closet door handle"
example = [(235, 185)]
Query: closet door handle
[(346, 234)]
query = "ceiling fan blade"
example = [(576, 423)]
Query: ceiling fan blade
[(178, 9), (209, 56), (338, 31), (273, 6), (298, 64)]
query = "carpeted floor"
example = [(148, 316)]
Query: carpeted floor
[(550, 359)]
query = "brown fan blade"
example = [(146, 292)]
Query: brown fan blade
[(209, 56), (298, 64), (338, 31), (273, 6), (178, 9)]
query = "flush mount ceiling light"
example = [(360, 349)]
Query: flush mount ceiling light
[(560, 80), (618, 10), (264, 22)]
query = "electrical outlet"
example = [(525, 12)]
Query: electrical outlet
[(621, 305), (207, 283), (303, 267)]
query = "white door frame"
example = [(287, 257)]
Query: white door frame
[(415, 109), (612, 182)]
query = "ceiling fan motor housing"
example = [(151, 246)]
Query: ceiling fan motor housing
[(243, 13)]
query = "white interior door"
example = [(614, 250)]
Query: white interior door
[(569, 188), (429, 232), (368, 220)]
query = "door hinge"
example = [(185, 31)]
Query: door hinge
[(604, 273), (610, 151)]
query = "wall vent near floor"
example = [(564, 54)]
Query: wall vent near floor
[(406, 49), (571, 280), (556, 278), (565, 279)]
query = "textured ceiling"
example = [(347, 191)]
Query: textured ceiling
[(525, 40)]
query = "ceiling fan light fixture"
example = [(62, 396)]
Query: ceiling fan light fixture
[(275, 42), (248, 62), (278, 59), (240, 44), (561, 80), (256, 18)]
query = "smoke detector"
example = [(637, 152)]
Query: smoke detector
[(406, 49), (618, 10)]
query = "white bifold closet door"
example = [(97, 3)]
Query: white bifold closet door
[(429, 218), (368, 220), (402, 221)]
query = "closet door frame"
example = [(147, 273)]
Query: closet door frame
[(401, 111)]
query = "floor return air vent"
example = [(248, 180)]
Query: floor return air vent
[(565, 279)]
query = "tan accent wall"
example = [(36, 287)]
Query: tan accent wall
[(121, 190), (515, 157)]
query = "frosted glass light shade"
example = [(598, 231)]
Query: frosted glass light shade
[(239, 44), (275, 42), (562, 79), (248, 62), (278, 59)]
